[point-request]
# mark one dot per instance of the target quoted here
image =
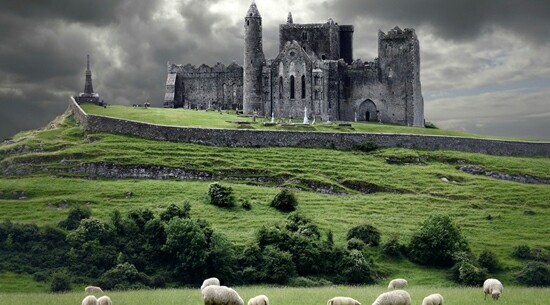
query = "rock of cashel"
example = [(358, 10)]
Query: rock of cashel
[(314, 74)]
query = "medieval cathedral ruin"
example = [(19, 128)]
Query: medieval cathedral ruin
[(314, 70)]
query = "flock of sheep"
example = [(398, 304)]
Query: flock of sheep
[(215, 294)]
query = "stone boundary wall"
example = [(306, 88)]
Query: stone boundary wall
[(268, 138)]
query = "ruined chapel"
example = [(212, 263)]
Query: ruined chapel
[(314, 70)]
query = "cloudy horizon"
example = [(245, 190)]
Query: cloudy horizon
[(485, 64)]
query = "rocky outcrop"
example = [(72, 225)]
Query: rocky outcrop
[(479, 170)]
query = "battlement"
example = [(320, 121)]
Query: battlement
[(346, 28), (397, 34), (189, 69)]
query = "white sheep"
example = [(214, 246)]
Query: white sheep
[(493, 287), (398, 284), (259, 300), (342, 301), (104, 300), (395, 297), (216, 295), (93, 289), (211, 281), (89, 300), (433, 299)]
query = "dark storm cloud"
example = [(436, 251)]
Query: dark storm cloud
[(454, 20)]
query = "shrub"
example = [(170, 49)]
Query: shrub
[(355, 244), (61, 281), (123, 277), (435, 242), (246, 205), (220, 195), (534, 273), (74, 217), (392, 246), (522, 252), (301, 281), (365, 232), (365, 147), (488, 260), (175, 211), (470, 274), (278, 266), (284, 201), (355, 269)]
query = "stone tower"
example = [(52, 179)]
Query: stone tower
[(399, 59), (254, 61), (88, 87)]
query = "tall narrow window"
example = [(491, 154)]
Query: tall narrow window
[(303, 86), (280, 87), (304, 35), (292, 87), (316, 94), (316, 80)]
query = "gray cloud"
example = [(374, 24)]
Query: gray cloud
[(469, 50)]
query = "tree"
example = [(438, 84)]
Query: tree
[(365, 232), (74, 217), (61, 282), (284, 201), (435, 242), (220, 195)]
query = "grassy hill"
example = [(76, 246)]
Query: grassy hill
[(337, 189)]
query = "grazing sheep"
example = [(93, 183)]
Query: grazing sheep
[(89, 300), (221, 295), (342, 301), (433, 299), (398, 284), (211, 281), (493, 287), (93, 289), (395, 297), (259, 300), (104, 300)]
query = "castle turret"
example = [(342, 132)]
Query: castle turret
[(289, 18), (254, 61)]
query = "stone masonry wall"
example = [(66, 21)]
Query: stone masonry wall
[(266, 138)]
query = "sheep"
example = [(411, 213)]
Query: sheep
[(215, 295), (493, 287), (89, 300), (398, 283), (104, 300), (342, 301), (395, 297), (211, 281), (259, 300), (93, 289), (433, 299)]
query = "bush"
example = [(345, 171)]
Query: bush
[(74, 217), (534, 274), (355, 244), (220, 195), (470, 274), (246, 205), (308, 282), (355, 269), (435, 242), (365, 232), (174, 211), (522, 252), (284, 201), (123, 277), (392, 246), (488, 260), (365, 147), (61, 282), (278, 266)]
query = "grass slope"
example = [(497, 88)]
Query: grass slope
[(214, 119), (493, 214)]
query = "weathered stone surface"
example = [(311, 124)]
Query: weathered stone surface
[(479, 170), (314, 70), (267, 138)]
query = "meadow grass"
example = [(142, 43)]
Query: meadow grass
[(224, 119), (518, 213), (288, 295)]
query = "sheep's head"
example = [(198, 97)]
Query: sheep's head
[(495, 295)]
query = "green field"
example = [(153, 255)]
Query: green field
[(493, 214), (287, 295), (215, 119)]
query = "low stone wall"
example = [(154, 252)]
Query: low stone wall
[(268, 138)]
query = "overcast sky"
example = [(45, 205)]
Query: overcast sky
[(485, 64)]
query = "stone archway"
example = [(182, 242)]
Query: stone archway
[(367, 111)]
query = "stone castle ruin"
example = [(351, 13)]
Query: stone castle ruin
[(314, 73)]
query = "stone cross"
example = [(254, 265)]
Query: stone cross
[(306, 120)]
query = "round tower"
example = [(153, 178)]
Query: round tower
[(254, 61)]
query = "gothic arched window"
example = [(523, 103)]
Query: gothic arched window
[(292, 87), (280, 87), (303, 86)]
